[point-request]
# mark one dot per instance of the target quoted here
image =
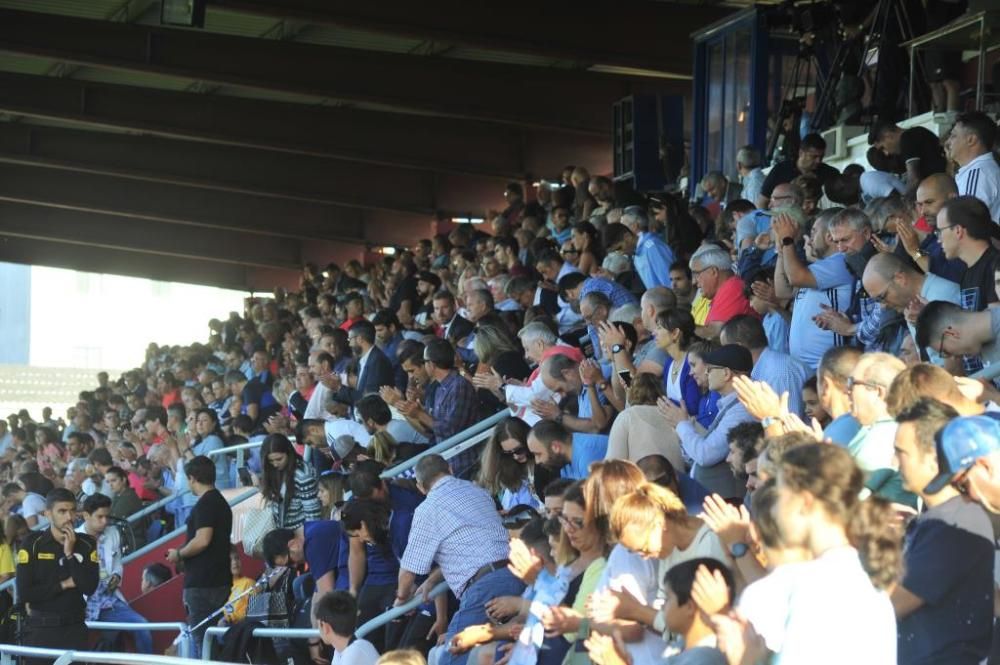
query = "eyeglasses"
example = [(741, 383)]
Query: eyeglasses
[(569, 251), (697, 273), (961, 482), (941, 351), (573, 523), (938, 230), (520, 451), (851, 382), (880, 298)]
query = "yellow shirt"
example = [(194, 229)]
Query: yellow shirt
[(699, 309), (240, 585), (6, 559)]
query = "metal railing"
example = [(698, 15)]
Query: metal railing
[(462, 437), (63, 657), (312, 633), (184, 646)]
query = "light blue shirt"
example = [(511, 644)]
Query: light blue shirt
[(776, 329), (712, 447), (222, 475), (842, 429), (587, 447), (752, 183), (653, 258), (784, 374), (806, 341)]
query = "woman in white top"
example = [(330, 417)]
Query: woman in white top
[(625, 572), (837, 609)]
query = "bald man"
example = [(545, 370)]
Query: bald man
[(919, 242), (899, 286)]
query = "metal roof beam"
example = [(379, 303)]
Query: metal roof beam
[(92, 229), (214, 210), (411, 141), (642, 35), (119, 262), (558, 99), (221, 168)]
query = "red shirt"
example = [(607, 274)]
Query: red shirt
[(729, 302), (346, 325), (171, 397), (136, 482)]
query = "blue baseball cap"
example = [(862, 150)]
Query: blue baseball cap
[(959, 444)]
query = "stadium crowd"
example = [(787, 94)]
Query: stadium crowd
[(743, 428)]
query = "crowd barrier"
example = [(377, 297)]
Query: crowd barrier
[(310, 633), (62, 657)]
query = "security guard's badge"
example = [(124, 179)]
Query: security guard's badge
[(22, 556), (93, 556)]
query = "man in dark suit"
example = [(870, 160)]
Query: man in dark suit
[(374, 368)]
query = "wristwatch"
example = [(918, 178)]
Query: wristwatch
[(787, 241), (767, 421), (738, 550), (917, 255), (617, 348), (602, 386)]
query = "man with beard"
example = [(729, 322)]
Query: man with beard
[(374, 368)]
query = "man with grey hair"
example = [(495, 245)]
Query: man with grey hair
[(818, 288), (713, 272), (653, 256), (784, 195), (717, 186), (458, 528), (751, 175), (647, 357), (498, 288), (539, 343)]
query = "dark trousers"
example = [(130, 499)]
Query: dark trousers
[(199, 603), (65, 637), (373, 600)]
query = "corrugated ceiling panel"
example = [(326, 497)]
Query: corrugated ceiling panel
[(358, 39), (22, 65), (98, 9), (131, 78)]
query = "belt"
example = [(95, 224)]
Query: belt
[(53, 619), (484, 571)]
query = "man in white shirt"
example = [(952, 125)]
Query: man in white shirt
[(748, 166), (970, 144), (337, 617)]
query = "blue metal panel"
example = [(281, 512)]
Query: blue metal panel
[(15, 313)]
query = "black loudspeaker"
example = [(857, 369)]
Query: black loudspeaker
[(648, 136)]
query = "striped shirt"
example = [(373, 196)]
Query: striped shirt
[(458, 527), (981, 178), (303, 505)]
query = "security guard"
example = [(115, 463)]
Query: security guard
[(56, 568)]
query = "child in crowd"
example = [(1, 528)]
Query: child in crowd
[(240, 585), (337, 617)]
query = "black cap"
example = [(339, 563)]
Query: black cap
[(730, 356), (430, 278)]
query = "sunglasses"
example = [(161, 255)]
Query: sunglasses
[(520, 451), (961, 482)]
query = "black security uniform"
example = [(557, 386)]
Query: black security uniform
[(55, 615)]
